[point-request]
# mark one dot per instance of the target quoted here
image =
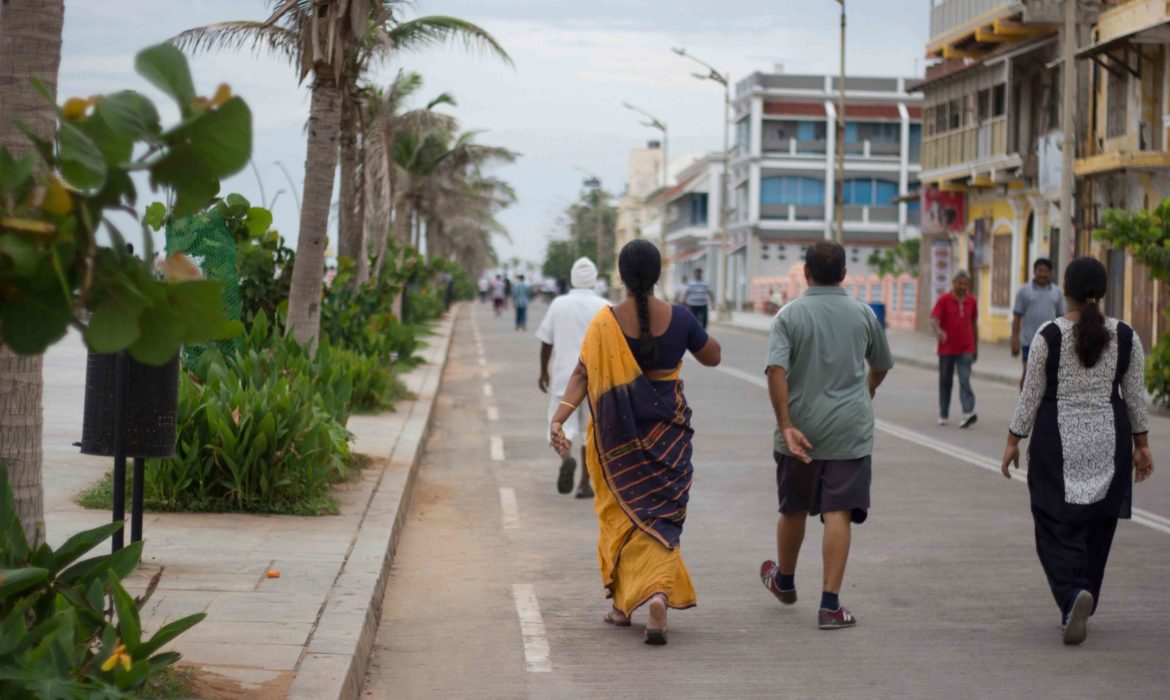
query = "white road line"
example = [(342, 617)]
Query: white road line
[(510, 509), (487, 390), (497, 448), (493, 413), (1142, 517), (536, 648), (482, 362)]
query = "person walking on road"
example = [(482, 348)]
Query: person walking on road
[(639, 444), (698, 297), (521, 294), (955, 321), (680, 297), (498, 295), (822, 394), (1084, 406), (560, 335), (484, 288), (1036, 304)]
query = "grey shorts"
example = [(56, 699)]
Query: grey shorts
[(824, 486)]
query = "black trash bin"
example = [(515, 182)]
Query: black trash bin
[(151, 402)]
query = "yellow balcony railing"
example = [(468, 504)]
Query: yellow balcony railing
[(966, 145)]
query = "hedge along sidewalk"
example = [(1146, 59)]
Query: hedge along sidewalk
[(305, 633)]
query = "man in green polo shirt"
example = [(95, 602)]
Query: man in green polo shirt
[(822, 393)]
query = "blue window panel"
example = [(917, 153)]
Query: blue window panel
[(859, 192), (798, 191), (851, 132), (770, 191), (806, 131), (884, 193)]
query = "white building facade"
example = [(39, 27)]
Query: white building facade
[(784, 171)]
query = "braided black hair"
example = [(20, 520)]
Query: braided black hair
[(1085, 281), (639, 265)]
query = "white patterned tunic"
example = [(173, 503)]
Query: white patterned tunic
[(1082, 421)]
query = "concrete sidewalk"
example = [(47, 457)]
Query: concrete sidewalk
[(305, 634)]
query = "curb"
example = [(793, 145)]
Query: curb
[(337, 653)]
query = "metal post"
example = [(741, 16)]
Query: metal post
[(1067, 235), (136, 500), (118, 538), (599, 225), (721, 290), (839, 213)]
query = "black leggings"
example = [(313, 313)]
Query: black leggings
[(1073, 554)]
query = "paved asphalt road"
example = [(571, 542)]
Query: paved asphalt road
[(495, 592)]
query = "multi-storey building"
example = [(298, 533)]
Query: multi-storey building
[(1124, 156), (692, 220), (992, 138), (635, 207), (784, 175)]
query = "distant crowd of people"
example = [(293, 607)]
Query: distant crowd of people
[(612, 374)]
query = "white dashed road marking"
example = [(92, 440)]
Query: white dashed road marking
[(493, 413), (497, 448), (531, 628), (510, 509), (487, 390)]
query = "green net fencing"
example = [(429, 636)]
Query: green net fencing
[(206, 240)]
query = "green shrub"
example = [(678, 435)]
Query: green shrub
[(68, 629)]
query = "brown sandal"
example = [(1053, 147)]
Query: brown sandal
[(616, 618), (658, 607)]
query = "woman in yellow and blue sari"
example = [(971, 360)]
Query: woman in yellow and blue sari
[(639, 444)]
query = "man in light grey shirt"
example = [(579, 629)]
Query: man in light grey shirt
[(1036, 304), (827, 356)]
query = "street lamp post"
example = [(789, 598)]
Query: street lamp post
[(723, 79), (839, 213)]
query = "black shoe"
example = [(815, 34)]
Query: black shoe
[(585, 491), (565, 478)]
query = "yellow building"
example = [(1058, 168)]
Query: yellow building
[(991, 130), (1124, 159)]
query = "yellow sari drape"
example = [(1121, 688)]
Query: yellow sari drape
[(638, 455)]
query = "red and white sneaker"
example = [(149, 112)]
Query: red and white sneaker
[(770, 574), (835, 619)]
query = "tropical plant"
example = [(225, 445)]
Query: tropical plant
[(334, 41), (68, 628), (1146, 236), (902, 259), (54, 274), (589, 216)]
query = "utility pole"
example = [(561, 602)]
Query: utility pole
[(1066, 238), (839, 209)]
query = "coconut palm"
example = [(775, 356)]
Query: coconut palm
[(334, 42), (30, 47)]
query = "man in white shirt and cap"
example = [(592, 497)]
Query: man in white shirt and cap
[(560, 334)]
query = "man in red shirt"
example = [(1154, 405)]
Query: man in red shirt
[(955, 321)]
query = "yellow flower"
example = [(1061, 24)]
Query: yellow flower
[(119, 656), (74, 108), (57, 199), (223, 93)]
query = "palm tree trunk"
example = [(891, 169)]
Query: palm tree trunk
[(435, 238), (402, 215), (304, 303), (351, 241), (30, 46)]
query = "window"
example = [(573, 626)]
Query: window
[(851, 132), (866, 192), (955, 114), (810, 131), (743, 135), (699, 209), (1117, 98), (999, 100), (940, 119), (790, 190), (1001, 270), (915, 144)]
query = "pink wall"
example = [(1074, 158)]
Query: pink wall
[(899, 294)]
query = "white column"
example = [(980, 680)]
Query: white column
[(757, 126), (903, 168), (830, 171), (754, 193)]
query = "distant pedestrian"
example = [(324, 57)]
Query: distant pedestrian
[(680, 297), (639, 445), (484, 287), (698, 297), (1084, 405), (521, 293), (601, 288), (498, 294), (560, 335), (822, 394), (1036, 304), (955, 321), (507, 287)]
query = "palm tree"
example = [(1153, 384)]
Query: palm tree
[(30, 47), (376, 46), (333, 41)]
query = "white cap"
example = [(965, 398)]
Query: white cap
[(584, 274)]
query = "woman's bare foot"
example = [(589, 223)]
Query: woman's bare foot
[(656, 622)]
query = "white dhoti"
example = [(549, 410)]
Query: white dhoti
[(577, 423)]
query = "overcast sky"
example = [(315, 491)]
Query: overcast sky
[(559, 107)]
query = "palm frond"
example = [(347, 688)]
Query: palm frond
[(233, 36), (428, 32)]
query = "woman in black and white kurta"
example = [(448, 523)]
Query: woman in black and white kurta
[(1084, 405)]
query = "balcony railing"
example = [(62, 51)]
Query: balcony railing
[(949, 15), (966, 145), (853, 214), (863, 149)]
